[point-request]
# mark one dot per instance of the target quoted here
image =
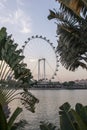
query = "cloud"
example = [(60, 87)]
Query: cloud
[(25, 27), (15, 18), (18, 19), (23, 21), (33, 60), (20, 2), (5, 0), (2, 5)]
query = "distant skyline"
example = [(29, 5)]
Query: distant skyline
[(24, 18)]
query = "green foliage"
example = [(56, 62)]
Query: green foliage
[(71, 119), (11, 65), (47, 126), (13, 72), (13, 117), (3, 122), (70, 83), (7, 125), (13, 57), (19, 125), (72, 33)]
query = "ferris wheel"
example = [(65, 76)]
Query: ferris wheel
[(41, 58)]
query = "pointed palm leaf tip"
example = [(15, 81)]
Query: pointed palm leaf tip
[(14, 75), (72, 33), (74, 5)]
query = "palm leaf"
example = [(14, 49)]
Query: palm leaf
[(65, 120), (14, 116), (73, 119), (73, 6), (80, 124), (19, 125), (14, 74), (3, 122), (47, 126), (29, 101)]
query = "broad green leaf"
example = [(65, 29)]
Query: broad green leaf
[(3, 122), (65, 107), (82, 111), (47, 126), (65, 120), (78, 120), (14, 116)]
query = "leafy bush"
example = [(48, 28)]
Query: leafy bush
[(47, 126), (14, 74), (70, 119)]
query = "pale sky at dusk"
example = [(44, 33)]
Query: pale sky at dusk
[(24, 18)]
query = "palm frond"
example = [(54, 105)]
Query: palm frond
[(74, 7), (47, 126), (3, 122), (29, 101), (19, 125), (14, 116), (14, 74)]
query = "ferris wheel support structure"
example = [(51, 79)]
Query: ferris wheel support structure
[(39, 60)]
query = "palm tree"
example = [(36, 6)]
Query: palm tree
[(14, 74), (72, 33)]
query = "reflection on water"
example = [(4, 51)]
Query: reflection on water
[(48, 107)]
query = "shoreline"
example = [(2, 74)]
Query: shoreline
[(57, 88)]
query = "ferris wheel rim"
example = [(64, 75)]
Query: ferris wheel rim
[(52, 46)]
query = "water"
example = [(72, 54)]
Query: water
[(48, 107)]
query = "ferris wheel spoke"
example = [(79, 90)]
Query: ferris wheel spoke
[(50, 66), (34, 67)]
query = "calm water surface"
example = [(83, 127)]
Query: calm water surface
[(48, 107)]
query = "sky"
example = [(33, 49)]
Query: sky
[(25, 18)]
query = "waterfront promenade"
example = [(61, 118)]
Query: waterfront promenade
[(56, 85)]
